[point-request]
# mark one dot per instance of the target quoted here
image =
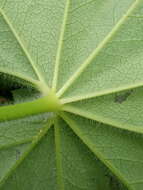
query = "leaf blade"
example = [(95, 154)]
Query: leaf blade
[(118, 65), (99, 139), (73, 153), (123, 110), (38, 30)]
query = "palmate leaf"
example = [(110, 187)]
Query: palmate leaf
[(73, 70)]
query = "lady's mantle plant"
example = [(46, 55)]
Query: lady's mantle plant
[(82, 128)]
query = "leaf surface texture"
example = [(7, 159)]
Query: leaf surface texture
[(90, 55)]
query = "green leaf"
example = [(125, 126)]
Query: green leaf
[(113, 147), (9, 158), (38, 170), (71, 95), (122, 110), (115, 64)]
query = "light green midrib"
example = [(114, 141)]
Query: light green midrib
[(12, 29), (92, 147), (102, 93), (95, 53), (25, 154), (95, 117), (36, 83), (60, 179), (19, 142), (59, 51)]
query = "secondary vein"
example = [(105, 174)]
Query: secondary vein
[(30, 148), (6, 19), (20, 76), (93, 148), (58, 56), (102, 119), (58, 156), (16, 143), (101, 93), (95, 53)]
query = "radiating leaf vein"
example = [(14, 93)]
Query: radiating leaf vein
[(95, 53)]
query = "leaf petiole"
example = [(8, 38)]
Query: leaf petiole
[(49, 103)]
